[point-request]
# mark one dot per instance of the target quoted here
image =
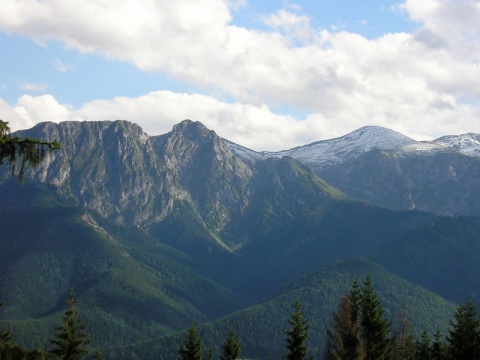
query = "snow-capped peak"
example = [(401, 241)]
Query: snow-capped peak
[(334, 151), (338, 150)]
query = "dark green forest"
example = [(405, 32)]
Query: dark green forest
[(137, 293), (358, 329), (174, 241)]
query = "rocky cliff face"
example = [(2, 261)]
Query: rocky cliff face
[(439, 181), (116, 169), (110, 167), (201, 169), (134, 179)]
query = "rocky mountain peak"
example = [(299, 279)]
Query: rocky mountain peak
[(193, 131), (378, 136), (348, 147), (334, 151)]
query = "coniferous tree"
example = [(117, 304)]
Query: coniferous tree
[(71, 340), (29, 152), (422, 347), (375, 329), (98, 355), (209, 353), (438, 350), (297, 335), (5, 335), (9, 350), (343, 341), (403, 341), (192, 346), (231, 346), (6, 344), (464, 336), (355, 301)]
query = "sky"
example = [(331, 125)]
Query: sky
[(268, 75)]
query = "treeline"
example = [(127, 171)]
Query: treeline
[(357, 330), (295, 341), (71, 341)]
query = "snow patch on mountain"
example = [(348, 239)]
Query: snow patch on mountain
[(334, 151), (424, 147), (468, 144), (244, 153)]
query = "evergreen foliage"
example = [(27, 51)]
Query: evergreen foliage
[(231, 346), (192, 346), (9, 350), (98, 355), (71, 340), (28, 151), (5, 335), (423, 347), (375, 329), (463, 340), (297, 335), (404, 345), (438, 350), (138, 289), (209, 353), (355, 298), (464, 336), (441, 257), (343, 341), (359, 329)]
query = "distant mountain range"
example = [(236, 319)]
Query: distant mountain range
[(158, 232), (335, 151), (351, 146), (385, 168)]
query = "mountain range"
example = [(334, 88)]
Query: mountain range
[(385, 168), (158, 232)]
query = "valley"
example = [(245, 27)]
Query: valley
[(156, 233)]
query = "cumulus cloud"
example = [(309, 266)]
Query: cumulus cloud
[(286, 20), (416, 83), (256, 127), (454, 24), (253, 126), (34, 109)]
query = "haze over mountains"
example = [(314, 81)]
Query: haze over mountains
[(157, 232)]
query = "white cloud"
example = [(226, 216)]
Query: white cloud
[(287, 20), (415, 83), (60, 66), (256, 127), (30, 110), (456, 22), (33, 87), (253, 126), (295, 27)]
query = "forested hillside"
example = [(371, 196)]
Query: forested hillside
[(158, 233)]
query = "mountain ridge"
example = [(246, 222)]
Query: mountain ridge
[(348, 163), (179, 225)]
